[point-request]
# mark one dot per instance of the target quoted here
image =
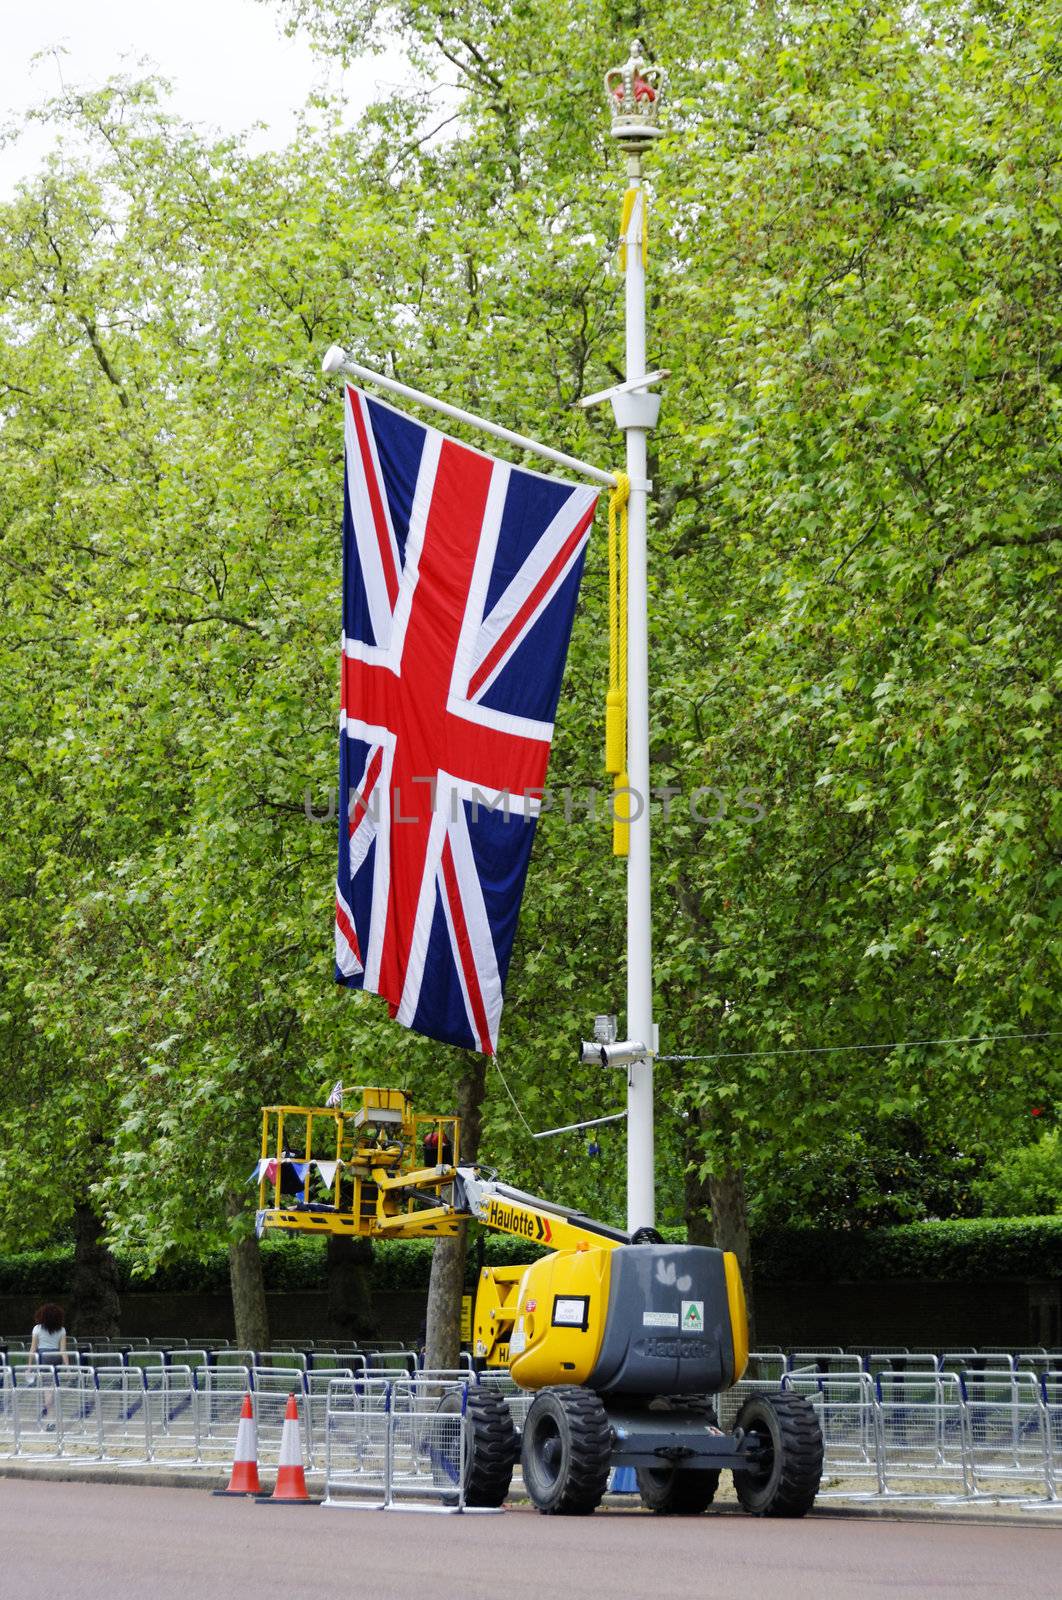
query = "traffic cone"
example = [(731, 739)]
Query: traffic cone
[(291, 1479), (244, 1478)]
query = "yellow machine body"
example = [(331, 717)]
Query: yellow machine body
[(560, 1319), (595, 1310), (547, 1322)]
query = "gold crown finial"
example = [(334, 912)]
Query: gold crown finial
[(634, 92)]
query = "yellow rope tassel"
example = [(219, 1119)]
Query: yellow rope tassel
[(621, 813), (628, 208), (616, 699)]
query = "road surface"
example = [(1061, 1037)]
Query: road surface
[(109, 1542)]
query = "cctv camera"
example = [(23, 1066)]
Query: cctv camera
[(620, 1054)]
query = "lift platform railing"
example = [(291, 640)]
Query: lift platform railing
[(374, 1166)]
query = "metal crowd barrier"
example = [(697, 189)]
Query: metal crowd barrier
[(922, 1434), (173, 1415), (1008, 1435), (394, 1443), (219, 1401), (270, 1388), (918, 1428), (843, 1401), (517, 1399)]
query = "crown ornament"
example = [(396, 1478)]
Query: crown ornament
[(634, 93)]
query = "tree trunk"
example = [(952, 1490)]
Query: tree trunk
[(94, 1304), (350, 1308), (248, 1294), (442, 1345), (730, 1227), (443, 1327)]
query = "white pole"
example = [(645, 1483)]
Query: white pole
[(636, 413), (337, 360)]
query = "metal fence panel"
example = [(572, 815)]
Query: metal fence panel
[(897, 1361), (416, 1398), (317, 1382), (1008, 1433), (357, 1442), (354, 1359), (428, 1449), (185, 1357), (397, 1444), (148, 1359), (1051, 1394), (844, 1403), (285, 1360), (922, 1426), (35, 1419), (121, 1403), (825, 1362), (519, 1400), (270, 1388), (77, 1411), (173, 1413), (220, 1392), (1040, 1361), (7, 1412), (764, 1372), (228, 1357)]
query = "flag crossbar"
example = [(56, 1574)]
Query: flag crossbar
[(337, 360), (573, 1127)]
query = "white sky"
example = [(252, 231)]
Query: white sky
[(229, 63)]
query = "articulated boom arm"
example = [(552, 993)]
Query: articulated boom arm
[(656, 1319), (526, 1216)]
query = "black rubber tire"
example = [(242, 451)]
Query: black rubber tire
[(677, 1491), (491, 1448), (673, 1491), (566, 1451), (785, 1480)]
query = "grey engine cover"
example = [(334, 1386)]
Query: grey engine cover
[(668, 1324)]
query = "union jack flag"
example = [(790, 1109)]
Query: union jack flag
[(460, 578)]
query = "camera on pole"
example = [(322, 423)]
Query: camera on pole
[(618, 1053)]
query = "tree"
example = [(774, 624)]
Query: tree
[(855, 247)]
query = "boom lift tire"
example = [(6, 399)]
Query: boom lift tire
[(673, 1491), (785, 1479), (566, 1451), (491, 1447), (677, 1491)]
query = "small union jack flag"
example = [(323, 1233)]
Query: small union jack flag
[(460, 579)]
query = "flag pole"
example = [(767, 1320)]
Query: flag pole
[(337, 360), (633, 92)]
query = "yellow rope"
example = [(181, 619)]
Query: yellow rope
[(628, 207), (616, 699)]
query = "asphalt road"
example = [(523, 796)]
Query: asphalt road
[(109, 1542)]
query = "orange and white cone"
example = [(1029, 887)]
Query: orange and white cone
[(244, 1478), (291, 1479)]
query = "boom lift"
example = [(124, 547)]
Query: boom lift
[(626, 1340)]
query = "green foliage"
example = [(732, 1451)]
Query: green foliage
[(972, 1250), (1025, 1181), (967, 1250), (854, 561)]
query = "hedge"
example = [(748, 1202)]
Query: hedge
[(982, 1248), (290, 1266), (960, 1251)]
